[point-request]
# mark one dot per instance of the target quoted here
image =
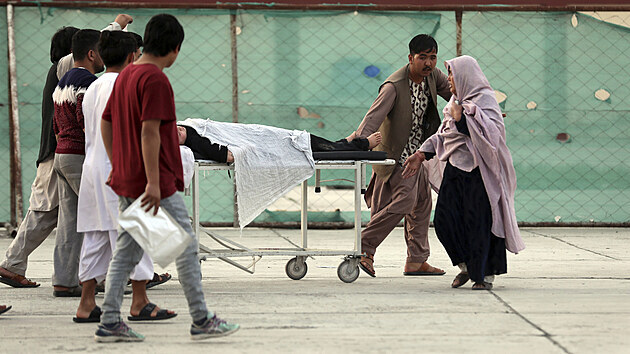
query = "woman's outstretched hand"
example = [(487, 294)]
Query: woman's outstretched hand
[(412, 164)]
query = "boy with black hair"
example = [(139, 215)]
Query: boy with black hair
[(139, 45), (141, 113), (41, 217), (69, 155), (97, 214)]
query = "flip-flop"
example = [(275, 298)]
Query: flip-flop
[(16, 281), (158, 279), (5, 309), (145, 314), (95, 316)]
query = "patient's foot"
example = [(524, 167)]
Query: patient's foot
[(352, 136), (374, 140)]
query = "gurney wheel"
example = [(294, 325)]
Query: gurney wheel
[(348, 272), (295, 270)]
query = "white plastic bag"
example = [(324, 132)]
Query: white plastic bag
[(159, 235)]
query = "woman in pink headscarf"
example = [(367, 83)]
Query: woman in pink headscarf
[(474, 215)]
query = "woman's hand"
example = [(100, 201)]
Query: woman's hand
[(456, 111), (412, 164)]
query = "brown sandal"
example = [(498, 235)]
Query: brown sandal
[(367, 264), (461, 279), (18, 281)]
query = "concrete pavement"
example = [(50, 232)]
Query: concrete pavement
[(568, 292)]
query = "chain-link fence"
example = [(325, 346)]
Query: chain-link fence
[(319, 71)]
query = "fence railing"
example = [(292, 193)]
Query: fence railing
[(561, 76)]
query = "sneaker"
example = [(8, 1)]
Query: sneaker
[(120, 333), (213, 327)]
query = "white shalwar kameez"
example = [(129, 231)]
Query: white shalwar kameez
[(97, 214)]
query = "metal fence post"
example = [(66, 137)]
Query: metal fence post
[(233, 53), (14, 125), (458, 20)]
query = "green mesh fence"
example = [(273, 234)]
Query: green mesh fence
[(543, 58), (305, 70), (5, 153)]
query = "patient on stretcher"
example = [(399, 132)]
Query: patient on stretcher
[(204, 149)]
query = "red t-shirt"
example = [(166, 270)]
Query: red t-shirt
[(142, 92)]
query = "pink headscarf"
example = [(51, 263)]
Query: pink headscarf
[(486, 144)]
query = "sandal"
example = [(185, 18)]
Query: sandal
[(4, 308), (425, 269), (147, 310), (460, 279), (158, 279), (367, 264), (18, 281), (482, 286), (94, 317)]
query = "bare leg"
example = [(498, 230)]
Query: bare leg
[(88, 303), (374, 138), (140, 299)]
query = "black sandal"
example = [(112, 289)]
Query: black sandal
[(147, 310), (158, 279), (482, 286), (94, 317)]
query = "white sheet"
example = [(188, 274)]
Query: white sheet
[(268, 161)]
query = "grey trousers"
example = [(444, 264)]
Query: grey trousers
[(128, 253), (68, 241)]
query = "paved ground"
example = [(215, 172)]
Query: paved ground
[(568, 292)]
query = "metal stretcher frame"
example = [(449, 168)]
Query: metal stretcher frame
[(296, 268)]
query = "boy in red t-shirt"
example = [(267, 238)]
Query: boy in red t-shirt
[(140, 135)]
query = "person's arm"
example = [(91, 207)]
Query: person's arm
[(378, 111), (67, 62), (457, 112), (412, 164), (121, 21), (462, 126), (80, 117), (150, 140), (106, 134), (55, 129), (204, 147)]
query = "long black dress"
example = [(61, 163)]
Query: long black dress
[(463, 222)]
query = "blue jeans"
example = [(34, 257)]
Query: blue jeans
[(128, 253)]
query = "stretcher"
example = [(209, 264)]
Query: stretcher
[(296, 268)]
